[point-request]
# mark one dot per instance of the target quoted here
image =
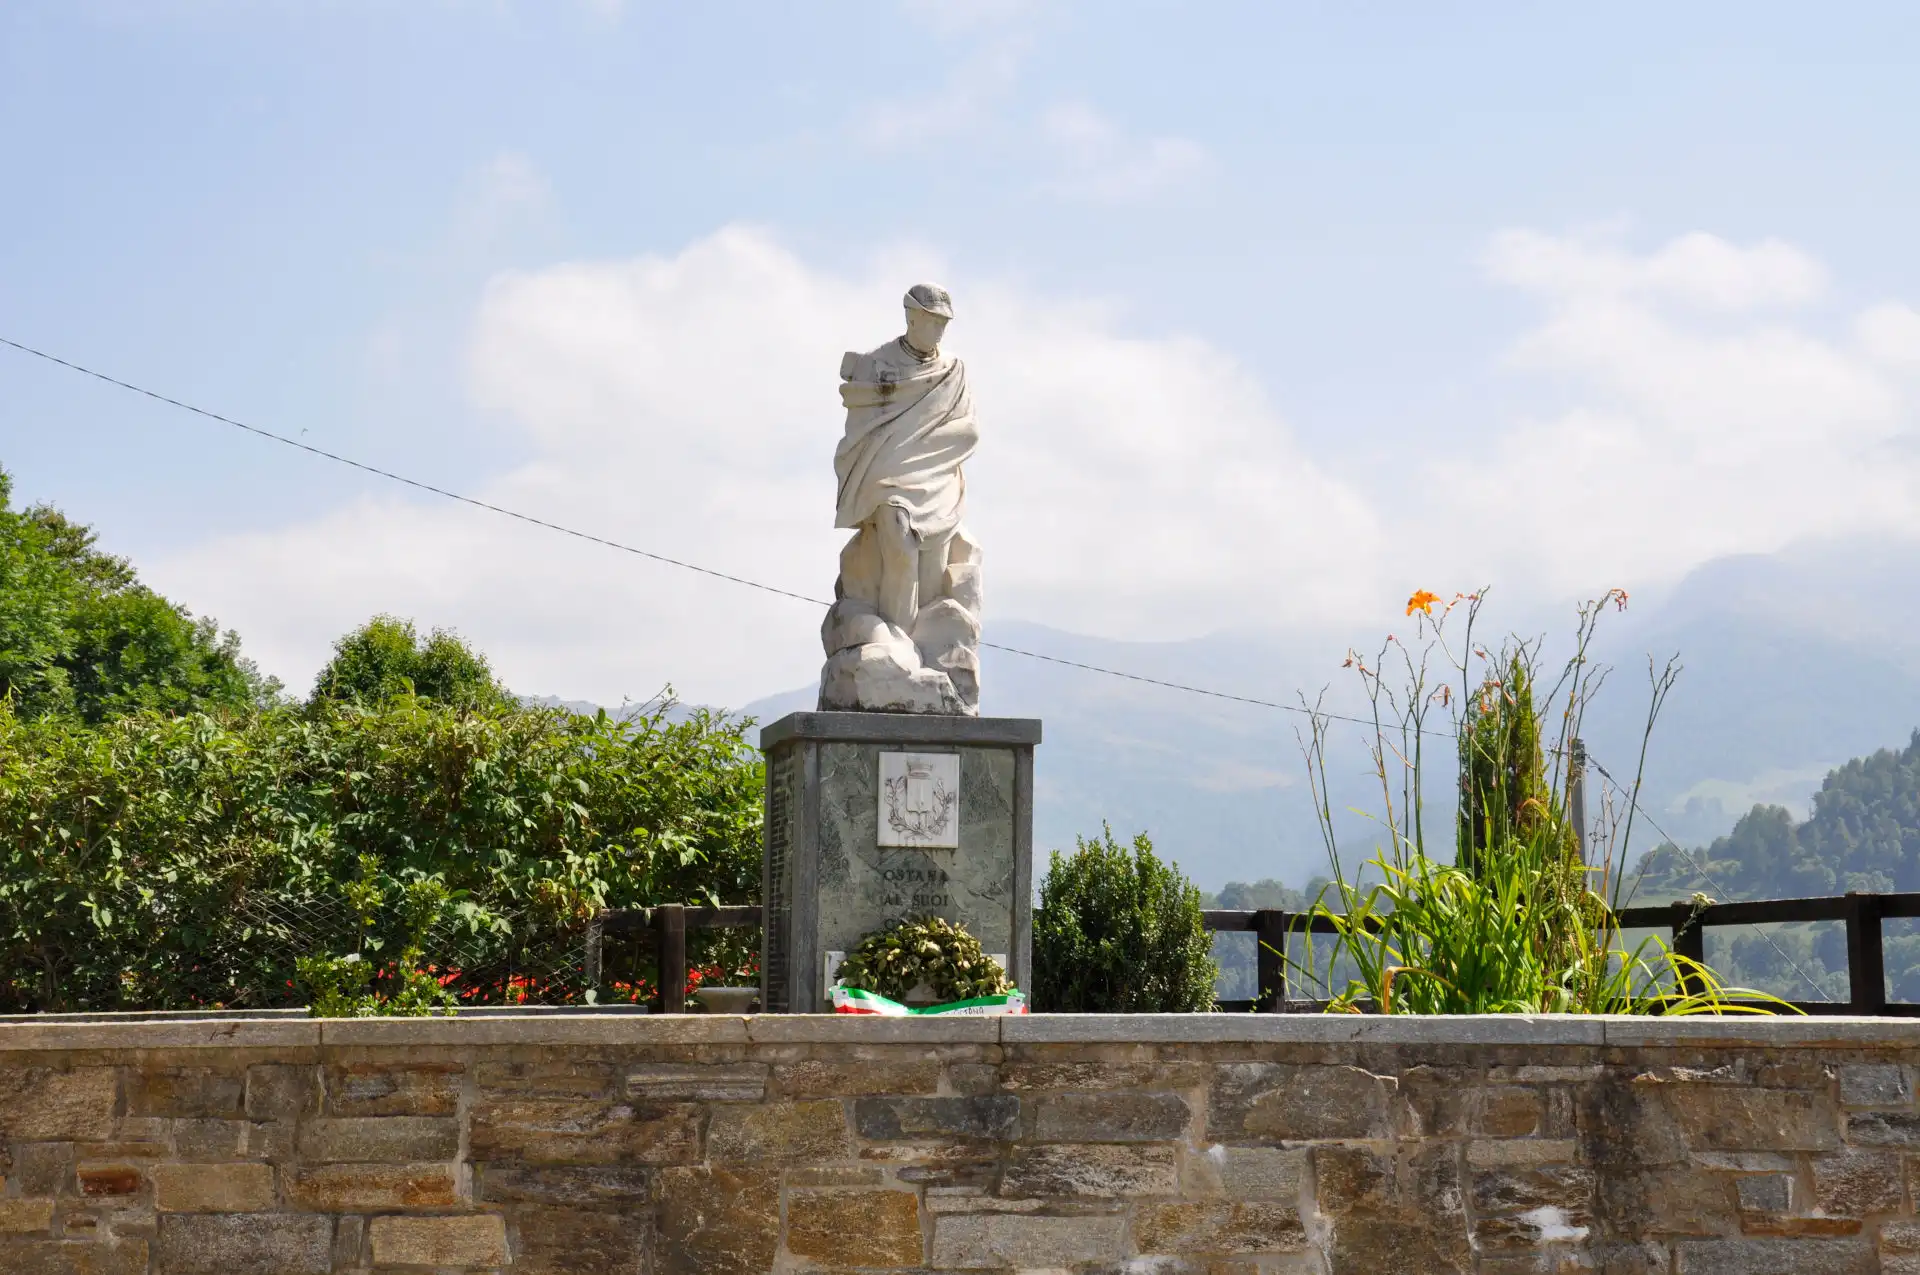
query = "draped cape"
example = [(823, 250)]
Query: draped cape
[(910, 427)]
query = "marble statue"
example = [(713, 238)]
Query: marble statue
[(903, 634)]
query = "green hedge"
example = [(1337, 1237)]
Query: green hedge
[(178, 862)]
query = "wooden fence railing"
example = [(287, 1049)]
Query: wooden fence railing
[(1274, 930), (668, 924)]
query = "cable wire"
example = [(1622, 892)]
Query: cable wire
[(626, 548)]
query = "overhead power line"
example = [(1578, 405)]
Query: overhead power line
[(530, 519)]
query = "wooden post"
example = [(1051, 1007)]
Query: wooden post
[(596, 948), (1866, 959), (1270, 934), (1577, 795), (1689, 940), (670, 947)]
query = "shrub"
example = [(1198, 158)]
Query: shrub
[(895, 960), (1119, 932), (183, 862)]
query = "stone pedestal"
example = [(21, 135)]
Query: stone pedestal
[(873, 817)]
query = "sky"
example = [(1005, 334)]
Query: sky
[(1274, 312)]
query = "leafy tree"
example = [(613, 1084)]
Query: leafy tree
[(1268, 892), (385, 658), (80, 636), (1863, 834), (36, 599), (1118, 931)]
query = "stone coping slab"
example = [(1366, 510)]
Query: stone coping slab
[(907, 729), (1035, 1029)]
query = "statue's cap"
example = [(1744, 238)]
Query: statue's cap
[(930, 297)]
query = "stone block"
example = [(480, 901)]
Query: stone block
[(357, 1188), (77, 1257), (1857, 1182), (1510, 1111), (1765, 1193), (1875, 1085), (1883, 1128), (779, 1133), (381, 1089), (1527, 1208), (992, 1241), (553, 1241), (1246, 1173), (1848, 1256), (393, 1139), (1620, 1122), (1434, 1102), (24, 1216), (212, 1188), (244, 1244), (203, 1138), (1098, 1170), (42, 1168), (1022, 1073), (1900, 1237), (467, 1239), (1558, 1195), (547, 1078), (828, 1175), (1664, 1201), (573, 1187), (854, 1228), (1349, 1178), (718, 1082), (994, 1117), (109, 1179), (821, 1078), (1399, 1243), (718, 1220), (1728, 1118), (1118, 1116), (277, 1091), (969, 1168), (1191, 1227), (350, 1243), (187, 1091), (1259, 1101), (41, 1104), (572, 1131)]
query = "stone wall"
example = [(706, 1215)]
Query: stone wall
[(1172, 1145)]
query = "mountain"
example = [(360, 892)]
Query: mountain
[(1793, 663)]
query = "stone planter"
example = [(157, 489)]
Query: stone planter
[(727, 1000)]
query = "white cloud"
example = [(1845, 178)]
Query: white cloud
[(1129, 485), (1697, 269), (1677, 436), (1099, 161), (1126, 485), (1890, 334)]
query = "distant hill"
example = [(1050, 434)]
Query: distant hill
[(1863, 834), (1794, 662)]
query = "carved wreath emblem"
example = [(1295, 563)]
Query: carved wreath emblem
[(919, 804)]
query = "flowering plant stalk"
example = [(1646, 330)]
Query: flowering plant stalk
[(1520, 921)]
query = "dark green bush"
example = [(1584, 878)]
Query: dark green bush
[(1119, 932)]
